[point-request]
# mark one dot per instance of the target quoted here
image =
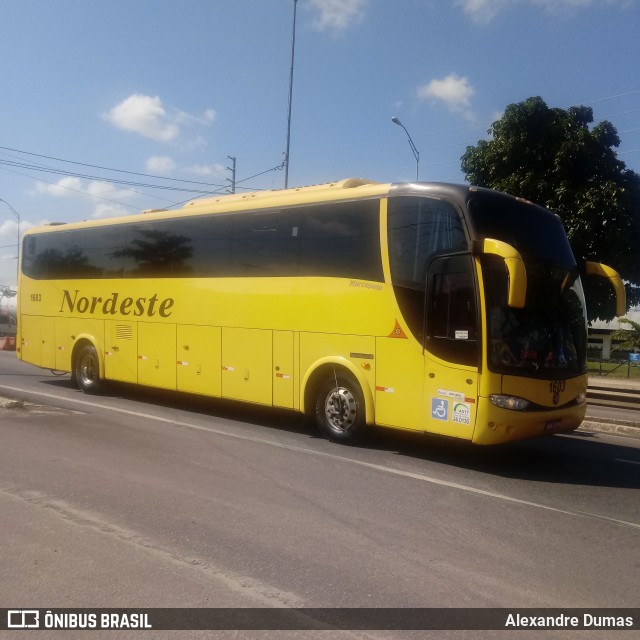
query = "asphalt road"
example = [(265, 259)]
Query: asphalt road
[(149, 499)]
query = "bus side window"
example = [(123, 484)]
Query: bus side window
[(452, 322)]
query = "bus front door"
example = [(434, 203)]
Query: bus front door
[(451, 347)]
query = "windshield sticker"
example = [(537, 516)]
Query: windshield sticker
[(462, 335), (440, 409)]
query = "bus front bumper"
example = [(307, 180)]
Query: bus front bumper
[(495, 425)]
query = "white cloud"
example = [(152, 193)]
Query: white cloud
[(454, 91), (148, 117), (486, 10), (482, 10), (60, 188), (105, 199), (337, 15), (143, 115), (109, 210), (208, 171), (184, 118), (9, 233), (162, 165)]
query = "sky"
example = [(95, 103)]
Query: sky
[(110, 108)]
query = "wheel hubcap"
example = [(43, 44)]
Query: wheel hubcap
[(88, 371), (341, 409)]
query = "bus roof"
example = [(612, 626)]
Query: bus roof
[(295, 195), (349, 189)]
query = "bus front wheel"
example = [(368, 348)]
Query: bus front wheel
[(339, 409), (86, 370)]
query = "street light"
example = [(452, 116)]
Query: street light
[(17, 217), (293, 52), (416, 153)]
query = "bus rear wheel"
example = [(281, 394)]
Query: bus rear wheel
[(339, 409), (86, 370)]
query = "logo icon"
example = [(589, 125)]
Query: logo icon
[(439, 409), (462, 413), (23, 619)]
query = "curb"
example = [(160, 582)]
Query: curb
[(615, 427)]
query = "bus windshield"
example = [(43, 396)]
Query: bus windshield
[(548, 336), (527, 227)]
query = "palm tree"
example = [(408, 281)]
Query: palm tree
[(630, 337)]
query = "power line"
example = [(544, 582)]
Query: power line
[(223, 189), (277, 168), (95, 166), (46, 169), (84, 193), (618, 95), (74, 174)]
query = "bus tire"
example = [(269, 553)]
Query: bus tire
[(340, 409), (86, 370)]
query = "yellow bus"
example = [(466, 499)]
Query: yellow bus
[(428, 307)]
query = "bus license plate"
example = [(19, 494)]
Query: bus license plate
[(552, 425)]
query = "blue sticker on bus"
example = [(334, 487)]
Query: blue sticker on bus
[(439, 409)]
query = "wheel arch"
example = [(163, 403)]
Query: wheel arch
[(322, 369), (81, 341)]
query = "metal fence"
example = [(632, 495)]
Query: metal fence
[(619, 364)]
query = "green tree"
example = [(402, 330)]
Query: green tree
[(630, 337), (554, 157)]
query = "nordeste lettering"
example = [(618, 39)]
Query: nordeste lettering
[(114, 304)]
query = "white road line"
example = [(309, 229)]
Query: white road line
[(331, 456)]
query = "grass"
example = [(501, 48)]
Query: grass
[(614, 369)]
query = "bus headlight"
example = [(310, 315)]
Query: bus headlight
[(510, 402), (581, 398)]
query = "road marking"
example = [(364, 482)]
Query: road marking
[(332, 456)]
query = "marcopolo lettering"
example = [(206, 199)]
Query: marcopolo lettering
[(114, 304)]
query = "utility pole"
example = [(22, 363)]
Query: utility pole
[(232, 168), (293, 51)]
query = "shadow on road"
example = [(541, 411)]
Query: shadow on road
[(580, 459)]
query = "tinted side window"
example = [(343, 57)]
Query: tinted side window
[(266, 244), (102, 250), (190, 247), (210, 242), (419, 229), (36, 256), (157, 249), (72, 254), (341, 240)]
